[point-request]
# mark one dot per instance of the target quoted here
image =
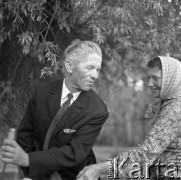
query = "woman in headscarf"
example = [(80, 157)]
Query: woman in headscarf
[(162, 146)]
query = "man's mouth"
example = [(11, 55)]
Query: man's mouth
[(90, 82)]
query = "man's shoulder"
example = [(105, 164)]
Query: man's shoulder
[(95, 101), (49, 84), (92, 94)]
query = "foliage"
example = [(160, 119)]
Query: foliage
[(34, 33), (144, 27), (27, 24)]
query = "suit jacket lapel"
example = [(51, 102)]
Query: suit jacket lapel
[(54, 99), (73, 111)]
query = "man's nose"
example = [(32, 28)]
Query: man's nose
[(95, 74)]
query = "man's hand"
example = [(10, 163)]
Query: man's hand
[(12, 153), (93, 172)]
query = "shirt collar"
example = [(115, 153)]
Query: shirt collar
[(65, 92)]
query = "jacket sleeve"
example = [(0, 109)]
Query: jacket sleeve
[(68, 155), (25, 137), (165, 130), (25, 130)]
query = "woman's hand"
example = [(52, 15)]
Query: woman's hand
[(93, 172)]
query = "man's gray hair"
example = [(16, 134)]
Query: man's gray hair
[(79, 49)]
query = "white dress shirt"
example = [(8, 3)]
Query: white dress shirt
[(65, 92)]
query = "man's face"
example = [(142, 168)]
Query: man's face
[(155, 81), (85, 72)]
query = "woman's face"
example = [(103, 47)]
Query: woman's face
[(155, 81)]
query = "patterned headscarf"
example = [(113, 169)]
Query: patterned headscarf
[(171, 83)]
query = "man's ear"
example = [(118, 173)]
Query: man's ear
[(68, 65)]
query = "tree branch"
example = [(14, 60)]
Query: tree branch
[(50, 22)]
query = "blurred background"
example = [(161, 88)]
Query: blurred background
[(35, 33)]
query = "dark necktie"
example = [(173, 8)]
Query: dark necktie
[(56, 120)]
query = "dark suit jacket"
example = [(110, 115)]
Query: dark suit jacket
[(68, 153)]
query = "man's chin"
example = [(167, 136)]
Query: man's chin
[(87, 88)]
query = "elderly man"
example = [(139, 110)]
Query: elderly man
[(62, 121)]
